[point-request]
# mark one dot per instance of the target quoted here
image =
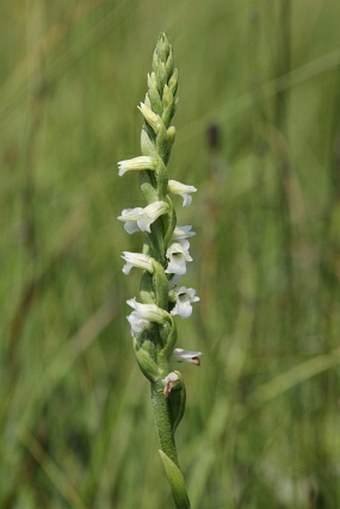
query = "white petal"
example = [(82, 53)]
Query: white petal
[(183, 309), (131, 227), (142, 315), (129, 218), (137, 323), (183, 232)]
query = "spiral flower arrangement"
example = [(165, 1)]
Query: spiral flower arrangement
[(163, 261)]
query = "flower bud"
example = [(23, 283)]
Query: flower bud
[(154, 120)]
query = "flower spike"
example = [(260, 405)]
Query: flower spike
[(163, 261)]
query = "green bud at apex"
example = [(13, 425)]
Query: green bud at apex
[(162, 260)]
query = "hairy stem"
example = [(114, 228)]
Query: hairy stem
[(162, 418)]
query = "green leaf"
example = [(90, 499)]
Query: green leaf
[(146, 363), (176, 481), (177, 399)]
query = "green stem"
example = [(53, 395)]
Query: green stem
[(163, 422), (168, 453)]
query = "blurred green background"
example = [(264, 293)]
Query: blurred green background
[(258, 133)]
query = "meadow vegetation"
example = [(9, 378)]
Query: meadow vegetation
[(258, 133)]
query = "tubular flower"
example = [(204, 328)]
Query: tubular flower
[(143, 315), (141, 219), (139, 260), (178, 256), (182, 232), (183, 298), (181, 355), (183, 190), (136, 164)]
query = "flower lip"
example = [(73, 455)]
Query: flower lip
[(129, 218), (137, 324)]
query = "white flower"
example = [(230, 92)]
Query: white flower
[(129, 217), (181, 355), (183, 190), (139, 260), (136, 163), (182, 232), (140, 219), (178, 255), (142, 315), (183, 298), (137, 324), (150, 312)]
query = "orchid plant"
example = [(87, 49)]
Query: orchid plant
[(163, 261)]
